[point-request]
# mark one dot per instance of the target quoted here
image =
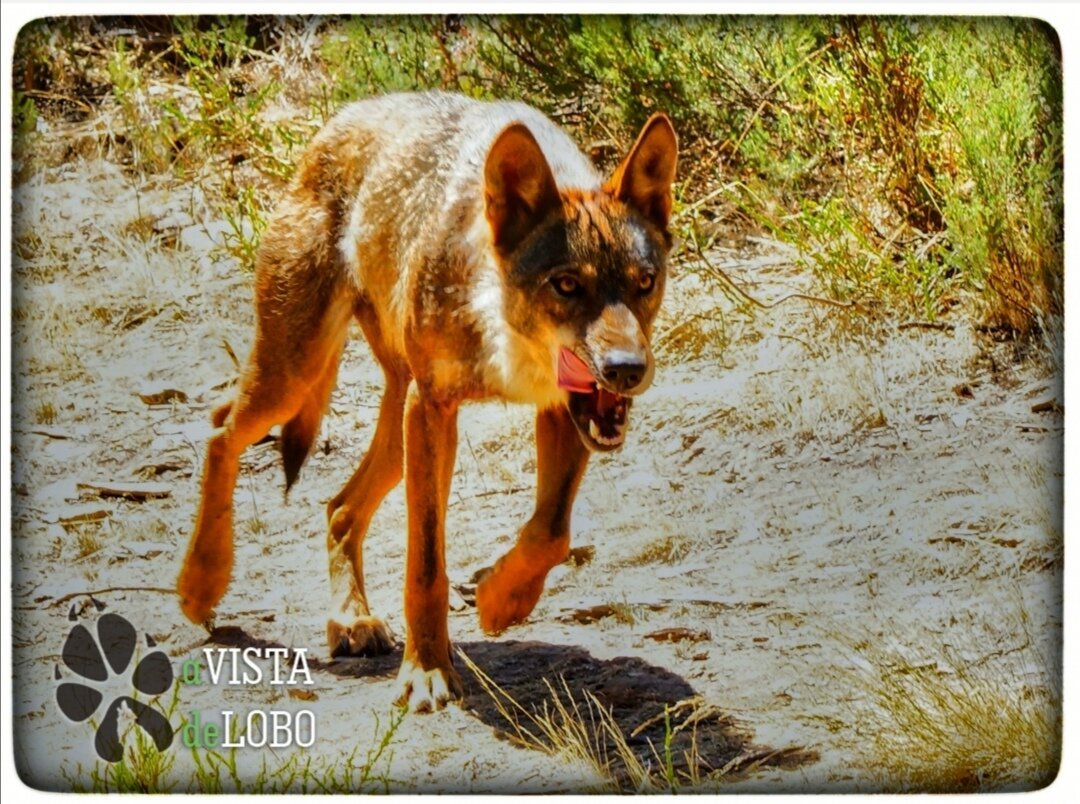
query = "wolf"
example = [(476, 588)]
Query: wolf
[(484, 258)]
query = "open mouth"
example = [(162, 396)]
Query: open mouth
[(600, 416)]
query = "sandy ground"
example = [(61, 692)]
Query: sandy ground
[(797, 485)]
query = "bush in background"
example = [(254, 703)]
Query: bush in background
[(915, 163)]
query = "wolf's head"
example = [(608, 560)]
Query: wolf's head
[(584, 270)]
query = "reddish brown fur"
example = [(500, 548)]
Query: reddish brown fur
[(385, 223)]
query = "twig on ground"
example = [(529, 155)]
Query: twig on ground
[(742, 294), (938, 325), (96, 592)]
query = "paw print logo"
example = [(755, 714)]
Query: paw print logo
[(92, 661)]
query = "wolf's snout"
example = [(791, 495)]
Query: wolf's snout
[(623, 372)]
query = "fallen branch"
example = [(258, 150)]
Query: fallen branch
[(941, 326), (718, 273), (97, 592), (679, 634), (1048, 406), (51, 432), (131, 491)]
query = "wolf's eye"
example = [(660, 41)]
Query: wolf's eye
[(646, 282), (566, 285)]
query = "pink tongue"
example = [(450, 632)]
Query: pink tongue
[(574, 375)]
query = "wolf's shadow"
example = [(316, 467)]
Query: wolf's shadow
[(659, 721)]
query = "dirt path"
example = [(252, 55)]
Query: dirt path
[(798, 488)]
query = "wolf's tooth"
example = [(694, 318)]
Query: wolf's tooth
[(594, 431)]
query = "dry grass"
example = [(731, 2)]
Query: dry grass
[(693, 336), (87, 542), (666, 550), (598, 754), (45, 413), (952, 721), (585, 736)]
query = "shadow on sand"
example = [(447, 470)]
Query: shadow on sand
[(702, 740)]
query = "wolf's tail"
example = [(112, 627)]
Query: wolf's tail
[(298, 435)]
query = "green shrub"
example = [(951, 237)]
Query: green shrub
[(912, 162)]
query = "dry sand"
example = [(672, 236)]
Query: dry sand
[(797, 485)]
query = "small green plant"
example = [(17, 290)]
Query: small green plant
[(219, 772), (146, 140), (24, 116), (247, 222), (145, 769), (210, 764), (142, 769)]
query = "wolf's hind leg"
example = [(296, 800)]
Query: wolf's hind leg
[(208, 563), (287, 379), (508, 593), (351, 630)]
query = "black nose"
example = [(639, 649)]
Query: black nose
[(624, 375)]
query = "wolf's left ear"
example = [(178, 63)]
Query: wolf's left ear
[(519, 190), (644, 178)]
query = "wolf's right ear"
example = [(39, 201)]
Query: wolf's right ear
[(519, 190)]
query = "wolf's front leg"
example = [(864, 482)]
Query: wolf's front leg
[(427, 679), (510, 591)]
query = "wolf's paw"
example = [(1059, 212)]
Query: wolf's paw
[(504, 598), (195, 601), (367, 636), (423, 690), (205, 574)]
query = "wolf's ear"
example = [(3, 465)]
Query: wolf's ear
[(644, 178), (519, 190)]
